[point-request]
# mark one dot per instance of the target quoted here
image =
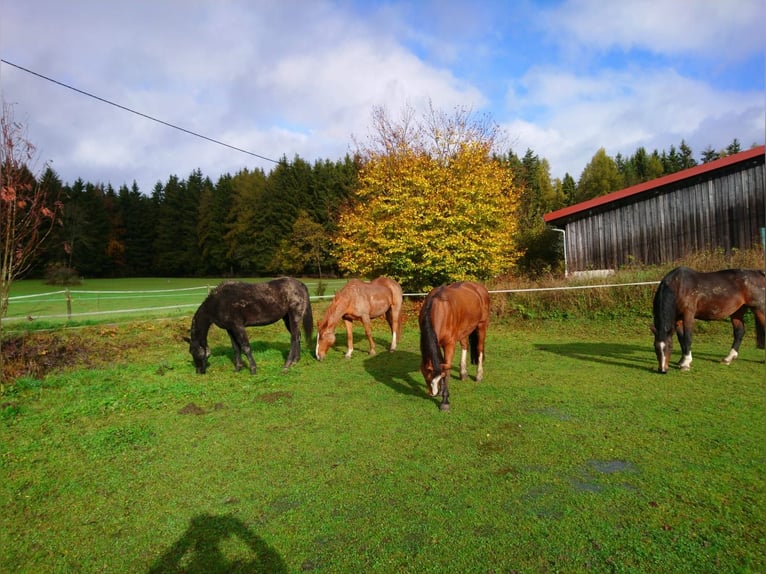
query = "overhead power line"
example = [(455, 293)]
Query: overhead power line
[(127, 109)]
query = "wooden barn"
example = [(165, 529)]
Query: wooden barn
[(720, 204)]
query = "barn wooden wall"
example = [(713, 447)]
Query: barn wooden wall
[(723, 209)]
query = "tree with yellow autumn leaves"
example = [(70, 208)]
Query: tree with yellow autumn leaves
[(433, 205)]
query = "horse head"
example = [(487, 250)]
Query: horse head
[(433, 377), (199, 353), (325, 338), (326, 327)]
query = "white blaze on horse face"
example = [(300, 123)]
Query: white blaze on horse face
[(663, 355)]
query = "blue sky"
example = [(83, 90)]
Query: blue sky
[(286, 77)]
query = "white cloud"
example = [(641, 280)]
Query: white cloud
[(621, 111), (713, 28), (293, 77)]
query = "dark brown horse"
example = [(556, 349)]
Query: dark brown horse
[(234, 305), (450, 314), (684, 295), (361, 301)]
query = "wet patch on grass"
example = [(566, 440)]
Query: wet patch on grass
[(589, 478)]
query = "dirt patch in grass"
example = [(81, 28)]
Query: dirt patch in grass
[(275, 397), (37, 354), (193, 409)]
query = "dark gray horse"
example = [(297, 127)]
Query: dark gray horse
[(234, 305)]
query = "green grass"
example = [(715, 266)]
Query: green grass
[(572, 456)]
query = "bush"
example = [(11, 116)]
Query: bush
[(61, 274)]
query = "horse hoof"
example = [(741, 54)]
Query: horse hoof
[(444, 407), (685, 367)]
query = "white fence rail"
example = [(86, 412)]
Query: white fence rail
[(42, 306)]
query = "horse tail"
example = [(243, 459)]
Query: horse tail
[(308, 320), (429, 343), (473, 340)]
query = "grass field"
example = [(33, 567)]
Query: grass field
[(572, 456)]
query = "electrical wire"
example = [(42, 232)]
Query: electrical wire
[(116, 105)]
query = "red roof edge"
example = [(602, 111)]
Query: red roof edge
[(554, 216)]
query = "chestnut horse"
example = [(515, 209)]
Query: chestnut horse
[(684, 295), (361, 301), (452, 313), (234, 305)]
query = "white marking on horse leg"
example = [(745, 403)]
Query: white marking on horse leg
[(730, 357), (463, 368), (349, 352), (316, 350), (686, 362), (480, 371), (393, 341), (435, 385)]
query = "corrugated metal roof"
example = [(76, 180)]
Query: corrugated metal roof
[(615, 196)]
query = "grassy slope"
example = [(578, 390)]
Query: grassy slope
[(571, 456)]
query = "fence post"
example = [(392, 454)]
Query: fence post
[(68, 305)]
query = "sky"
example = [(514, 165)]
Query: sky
[(286, 78)]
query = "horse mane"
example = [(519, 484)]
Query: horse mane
[(200, 324), (429, 343), (335, 311)]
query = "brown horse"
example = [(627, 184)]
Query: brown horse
[(452, 313), (361, 301), (684, 295)]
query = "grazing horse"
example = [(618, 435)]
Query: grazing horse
[(452, 313), (234, 305), (684, 295), (361, 301)]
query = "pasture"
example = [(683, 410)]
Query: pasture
[(573, 455)]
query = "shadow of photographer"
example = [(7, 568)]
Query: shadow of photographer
[(200, 550)]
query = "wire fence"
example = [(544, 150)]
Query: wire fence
[(78, 304)]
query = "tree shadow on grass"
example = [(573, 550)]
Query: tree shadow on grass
[(614, 354), (200, 550)]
